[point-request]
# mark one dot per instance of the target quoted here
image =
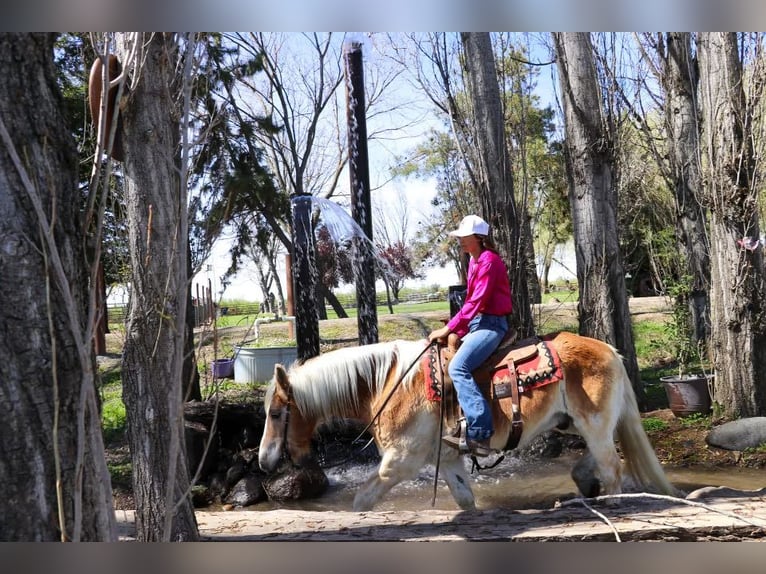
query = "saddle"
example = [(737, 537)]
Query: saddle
[(513, 369)]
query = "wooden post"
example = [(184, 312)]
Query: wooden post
[(290, 304), (361, 210), (304, 279)]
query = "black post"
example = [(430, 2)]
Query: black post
[(361, 209), (304, 274)]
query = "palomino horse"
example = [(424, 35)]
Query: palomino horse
[(594, 399)]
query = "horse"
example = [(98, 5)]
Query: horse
[(594, 399)]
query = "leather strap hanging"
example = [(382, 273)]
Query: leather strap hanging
[(517, 426)]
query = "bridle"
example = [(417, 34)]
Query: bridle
[(285, 454)]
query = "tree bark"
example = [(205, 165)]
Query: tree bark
[(603, 304), (50, 433), (152, 360), (737, 292), (190, 376), (680, 81), (495, 180)]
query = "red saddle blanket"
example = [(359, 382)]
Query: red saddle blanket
[(535, 369)]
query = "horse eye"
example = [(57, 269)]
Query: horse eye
[(275, 414)]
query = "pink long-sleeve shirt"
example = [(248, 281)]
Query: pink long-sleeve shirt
[(488, 291)]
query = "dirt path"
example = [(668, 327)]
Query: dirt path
[(720, 519)]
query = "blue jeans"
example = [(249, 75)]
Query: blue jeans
[(484, 335)]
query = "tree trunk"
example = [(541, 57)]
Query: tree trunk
[(681, 119), (152, 359), (534, 292), (495, 185), (737, 292), (603, 305), (48, 409), (190, 376)]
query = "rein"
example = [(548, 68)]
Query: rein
[(380, 410)]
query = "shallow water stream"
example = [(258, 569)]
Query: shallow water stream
[(514, 484)]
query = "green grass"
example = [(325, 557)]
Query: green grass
[(650, 339), (697, 420), (244, 392), (400, 308), (121, 473), (565, 296), (113, 419), (653, 424), (236, 320)]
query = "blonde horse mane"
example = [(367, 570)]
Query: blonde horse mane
[(328, 385)]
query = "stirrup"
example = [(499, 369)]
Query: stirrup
[(456, 437), (476, 448), (459, 440), (459, 429)]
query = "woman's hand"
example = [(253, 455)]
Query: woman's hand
[(439, 334)]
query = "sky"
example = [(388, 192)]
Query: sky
[(417, 192)]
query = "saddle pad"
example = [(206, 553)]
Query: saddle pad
[(541, 369)]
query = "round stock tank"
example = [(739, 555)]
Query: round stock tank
[(256, 364)]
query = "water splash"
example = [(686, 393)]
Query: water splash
[(342, 228)]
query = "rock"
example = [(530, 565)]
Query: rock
[(235, 473), (296, 483), (201, 496), (247, 491), (196, 440), (739, 435), (217, 484)]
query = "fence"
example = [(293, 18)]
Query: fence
[(348, 300), (205, 308)]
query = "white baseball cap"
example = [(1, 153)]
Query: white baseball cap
[(470, 225)]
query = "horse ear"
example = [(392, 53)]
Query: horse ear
[(280, 377)]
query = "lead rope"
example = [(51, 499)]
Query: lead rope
[(442, 414)]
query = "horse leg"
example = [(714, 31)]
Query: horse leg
[(606, 461), (395, 466), (584, 476), (454, 474)]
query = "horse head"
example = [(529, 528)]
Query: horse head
[(286, 431)]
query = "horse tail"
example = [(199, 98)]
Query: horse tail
[(640, 459)]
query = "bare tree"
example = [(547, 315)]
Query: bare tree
[(672, 62), (441, 70), (679, 82), (737, 291), (603, 303), (297, 89), (52, 463), (494, 184), (153, 354)]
